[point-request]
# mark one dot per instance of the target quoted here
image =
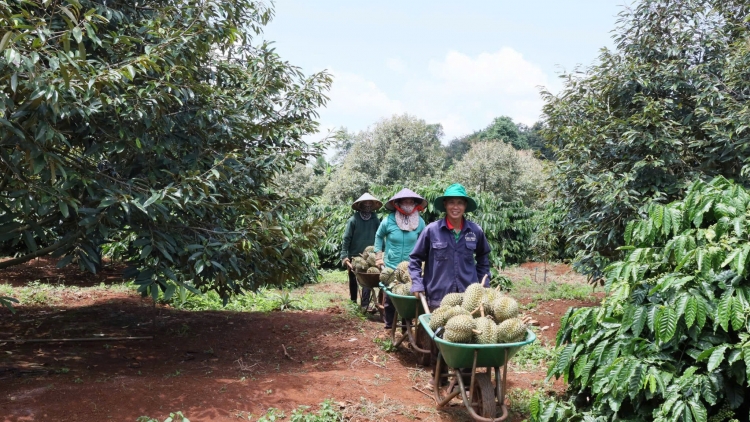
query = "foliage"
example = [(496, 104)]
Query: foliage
[(671, 340), (304, 181), (667, 106), (503, 129), (173, 417), (400, 150), (498, 168), (326, 413), (548, 242), (159, 127)]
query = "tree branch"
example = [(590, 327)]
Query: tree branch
[(49, 249)]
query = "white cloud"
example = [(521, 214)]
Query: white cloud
[(461, 92), (395, 64)]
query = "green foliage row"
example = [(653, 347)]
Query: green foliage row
[(667, 106), (671, 341)]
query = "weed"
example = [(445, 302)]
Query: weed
[(385, 345), (326, 413), (177, 373), (272, 415), (78, 381), (286, 301), (173, 417), (535, 355)]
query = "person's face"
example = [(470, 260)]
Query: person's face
[(366, 206), (406, 202), (455, 207)]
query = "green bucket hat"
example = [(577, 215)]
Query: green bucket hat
[(455, 190)]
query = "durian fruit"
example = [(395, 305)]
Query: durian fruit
[(504, 307), (359, 264), (473, 297), (488, 299), (485, 331), (369, 250), (402, 289), (385, 275), (373, 270), (459, 329), (402, 272), (452, 299), (511, 331), (372, 258), (443, 314)]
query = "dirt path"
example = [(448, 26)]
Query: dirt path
[(214, 366)]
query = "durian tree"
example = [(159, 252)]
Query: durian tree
[(151, 131), (401, 150), (667, 106), (671, 340)]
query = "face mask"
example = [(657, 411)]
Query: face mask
[(365, 208), (407, 209)]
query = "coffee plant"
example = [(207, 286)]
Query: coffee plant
[(670, 342)]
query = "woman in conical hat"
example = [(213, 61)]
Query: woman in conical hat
[(398, 233), (359, 234)]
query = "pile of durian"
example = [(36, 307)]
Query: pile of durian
[(365, 263), (479, 316), (398, 280)]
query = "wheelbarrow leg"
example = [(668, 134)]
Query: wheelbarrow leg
[(394, 326), (443, 395), (484, 401)]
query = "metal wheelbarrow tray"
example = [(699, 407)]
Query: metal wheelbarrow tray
[(480, 397), (407, 309)]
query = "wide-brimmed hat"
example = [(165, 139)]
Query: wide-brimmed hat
[(366, 197), (455, 190), (404, 194)]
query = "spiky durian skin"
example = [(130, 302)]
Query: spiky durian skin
[(472, 297), (443, 314), (486, 330), (369, 250), (460, 327), (511, 331), (373, 270), (452, 299), (504, 307), (385, 275)]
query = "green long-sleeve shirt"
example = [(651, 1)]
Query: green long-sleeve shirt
[(358, 235)]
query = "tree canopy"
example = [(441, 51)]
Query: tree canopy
[(666, 107), (152, 130)]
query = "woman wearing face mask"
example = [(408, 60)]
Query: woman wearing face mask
[(398, 234), (359, 234)]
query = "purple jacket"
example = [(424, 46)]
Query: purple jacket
[(450, 266)]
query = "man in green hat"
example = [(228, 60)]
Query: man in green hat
[(359, 234), (454, 250)]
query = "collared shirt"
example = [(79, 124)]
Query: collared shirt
[(456, 234), (450, 266)]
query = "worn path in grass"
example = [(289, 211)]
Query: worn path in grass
[(220, 365)]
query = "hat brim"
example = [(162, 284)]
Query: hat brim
[(471, 204), (390, 207), (378, 204)]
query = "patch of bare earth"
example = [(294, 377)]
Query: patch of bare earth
[(212, 366)]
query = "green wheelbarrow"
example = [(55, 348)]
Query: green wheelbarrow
[(484, 393), (408, 308)]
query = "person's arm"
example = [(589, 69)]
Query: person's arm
[(483, 258), (348, 232), (419, 255)]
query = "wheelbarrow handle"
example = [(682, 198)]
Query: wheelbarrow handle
[(349, 264), (424, 302)]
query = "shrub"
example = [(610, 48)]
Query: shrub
[(671, 341)]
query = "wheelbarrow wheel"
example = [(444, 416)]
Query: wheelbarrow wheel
[(484, 404)]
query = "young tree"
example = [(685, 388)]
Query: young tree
[(153, 129), (669, 105), (401, 150), (498, 168)]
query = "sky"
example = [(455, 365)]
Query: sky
[(457, 63)]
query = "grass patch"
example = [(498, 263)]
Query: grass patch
[(334, 276), (551, 290), (310, 297), (38, 293), (533, 356)]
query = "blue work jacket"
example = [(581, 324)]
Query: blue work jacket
[(450, 265)]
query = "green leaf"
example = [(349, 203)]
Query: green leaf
[(724, 309), (77, 34), (717, 357), (666, 323), (4, 40), (691, 310)]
